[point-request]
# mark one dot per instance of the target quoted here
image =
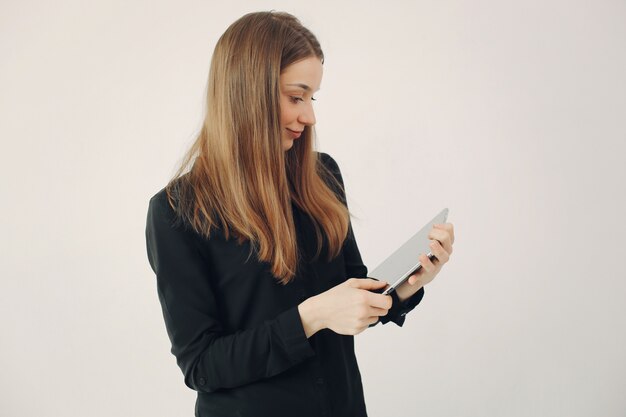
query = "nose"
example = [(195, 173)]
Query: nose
[(307, 116)]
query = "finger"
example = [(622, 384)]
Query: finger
[(413, 278), (379, 301), (427, 264), (442, 255), (372, 320), (449, 227), (375, 311), (440, 234), (367, 283), (443, 236)]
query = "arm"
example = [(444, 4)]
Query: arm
[(354, 263), (209, 358)]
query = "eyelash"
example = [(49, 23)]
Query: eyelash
[(296, 99)]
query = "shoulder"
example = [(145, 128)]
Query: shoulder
[(327, 161), (166, 201), (159, 203), (174, 207), (331, 174), (329, 165), (164, 213), (160, 213)]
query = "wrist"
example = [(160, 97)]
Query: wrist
[(406, 290), (312, 321)]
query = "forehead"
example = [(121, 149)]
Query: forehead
[(307, 71)]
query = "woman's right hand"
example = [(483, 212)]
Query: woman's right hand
[(347, 308)]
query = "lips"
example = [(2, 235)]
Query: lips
[(294, 133)]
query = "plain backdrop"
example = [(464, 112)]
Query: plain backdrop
[(511, 114)]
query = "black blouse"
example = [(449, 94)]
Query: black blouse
[(236, 332)]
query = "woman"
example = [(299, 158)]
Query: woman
[(258, 273)]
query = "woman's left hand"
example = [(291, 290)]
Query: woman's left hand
[(442, 239)]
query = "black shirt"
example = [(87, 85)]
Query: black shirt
[(236, 331)]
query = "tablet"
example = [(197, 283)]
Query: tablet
[(401, 264)]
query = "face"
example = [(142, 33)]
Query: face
[(298, 82)]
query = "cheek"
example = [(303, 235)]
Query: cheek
[(286, 113)]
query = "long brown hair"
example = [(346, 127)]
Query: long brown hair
[(241, 179)]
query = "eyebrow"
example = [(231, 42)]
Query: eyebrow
[(303, 86)]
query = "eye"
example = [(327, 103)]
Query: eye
[(296, 99)]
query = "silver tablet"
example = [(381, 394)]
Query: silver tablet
[(401, 264)]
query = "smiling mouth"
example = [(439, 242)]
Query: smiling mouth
[(294, 133)]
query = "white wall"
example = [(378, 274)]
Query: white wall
[(512, 114)]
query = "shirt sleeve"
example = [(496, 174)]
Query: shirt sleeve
[(354, 263), (209, 358)]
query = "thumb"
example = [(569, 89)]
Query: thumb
[(369, 283)]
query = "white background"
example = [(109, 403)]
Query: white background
[(511, 114)]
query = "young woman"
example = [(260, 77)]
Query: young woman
[(258, 273)]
